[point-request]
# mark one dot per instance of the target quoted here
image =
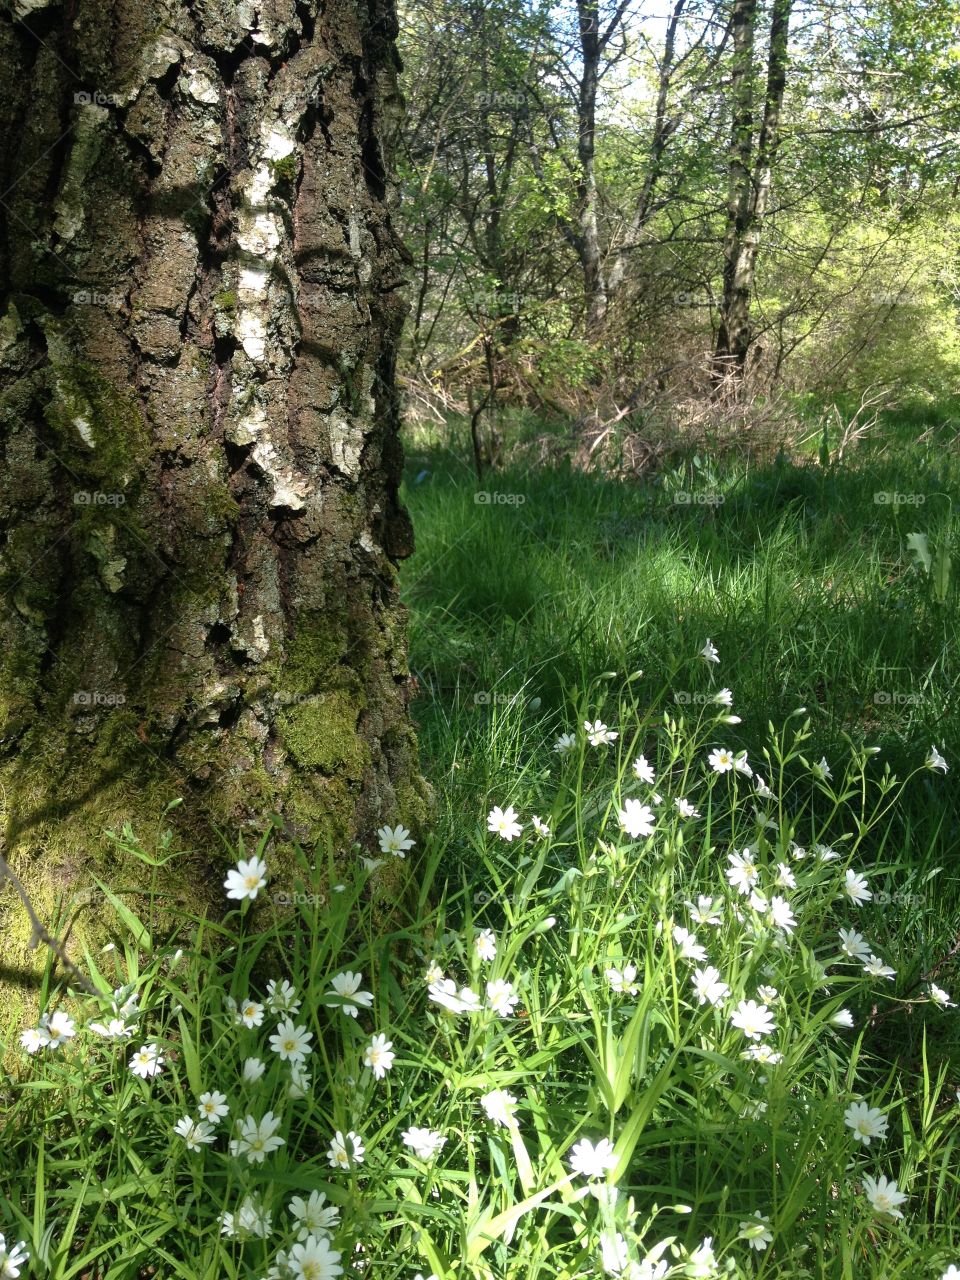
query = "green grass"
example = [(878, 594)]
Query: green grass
[(800, 577)]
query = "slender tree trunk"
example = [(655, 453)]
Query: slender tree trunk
[(199, 522), (751, 178), (594, 285)]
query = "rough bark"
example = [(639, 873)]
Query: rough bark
[(750, 180), (199, 521)]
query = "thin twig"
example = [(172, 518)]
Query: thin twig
[(39, 932)]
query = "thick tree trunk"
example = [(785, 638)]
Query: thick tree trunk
[(199, 522)]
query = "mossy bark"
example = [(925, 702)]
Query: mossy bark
[(199, 521)]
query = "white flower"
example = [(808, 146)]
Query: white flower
[(643, 770), (742, 872), (379, 1055), (540, 827), (314, 1259), (842, 1018), (709, 653), (592, 1161), (756, 1232), (854, 944), (299, 1083), (598, 735), (702, 1263), (762, 1053), (395, 840), (346, 988), (614, 1254), (741, 766), (115, 1029), (499, 1104), (253, 1069), (565, 744), (485, 944), (146, 1061), (952, 1273), (877, 969), (314, 1217), (690, 949), (503, 822), (194, 1132), (724, 698), (822, 769), (781, 914), (686, 809), (768, 994), (250, 1014), (763, 791), (884, 1196), (785, 877), (636, 819), (825, 853), (433, 973), (256, 1139), (246, 879), (251, 1219), (12, 1259), (706, 911), (445, 993), (721, 760), (936, 761), (291, 1042), (344, 1151), (940, 997), (866, 1122), (34, 1038), (425, 1143), (282, 998), (59, 1028), (855, 887), (759, 903), (708, 987), (753, 1019), (622, 981), (501, 998), (213, 1107)]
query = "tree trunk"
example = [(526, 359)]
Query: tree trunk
[(751, 179), (594, 284), (199, 521)]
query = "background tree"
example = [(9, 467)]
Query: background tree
[(200, 521)]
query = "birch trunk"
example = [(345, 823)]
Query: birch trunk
[(199, 520)]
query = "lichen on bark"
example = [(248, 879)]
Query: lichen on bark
[(199, 515)]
